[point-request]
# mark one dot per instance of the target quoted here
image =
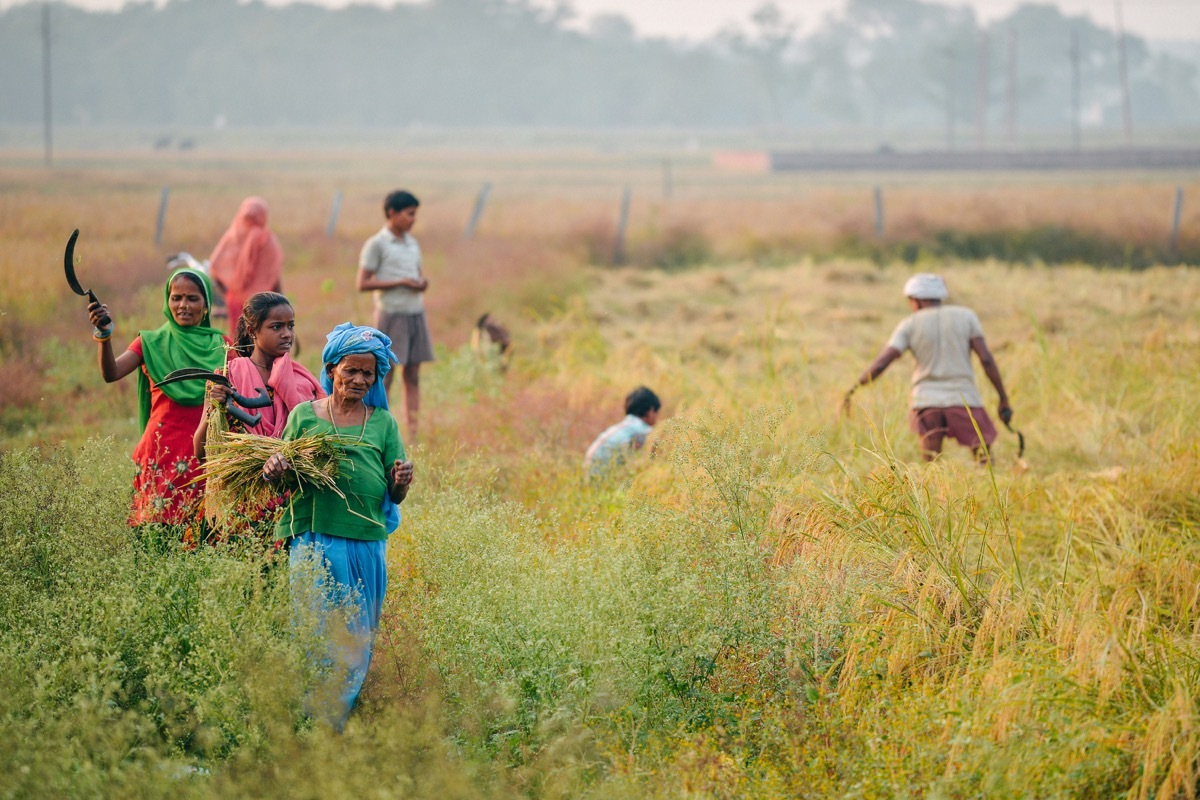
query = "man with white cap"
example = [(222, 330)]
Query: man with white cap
[(945, 399)]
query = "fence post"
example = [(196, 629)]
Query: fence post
[(334, 210), (622, 222), (879, 226), (1174, 250), (162, 215), (485, 191)]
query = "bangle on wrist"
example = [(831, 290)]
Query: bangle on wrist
[(101, 336)]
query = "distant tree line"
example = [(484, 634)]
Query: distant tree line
[(881, 65)]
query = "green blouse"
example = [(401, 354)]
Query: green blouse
[(362, 478)]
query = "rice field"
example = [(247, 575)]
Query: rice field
[(780, 601)]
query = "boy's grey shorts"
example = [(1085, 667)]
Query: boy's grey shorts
[(409, 333)]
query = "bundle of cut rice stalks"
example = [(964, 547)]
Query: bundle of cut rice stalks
[(218, 429), (235, 486)]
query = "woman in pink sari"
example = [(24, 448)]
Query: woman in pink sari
[(266, 331), (248, 259)]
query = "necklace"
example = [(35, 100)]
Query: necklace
[(333, 420), (263, 367)]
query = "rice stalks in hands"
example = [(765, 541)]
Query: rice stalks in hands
[(234, 472), (218, 429)]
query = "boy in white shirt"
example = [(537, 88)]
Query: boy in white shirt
[(390, 266), (610, 447)]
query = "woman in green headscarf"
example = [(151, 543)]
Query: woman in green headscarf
[(169, 415)]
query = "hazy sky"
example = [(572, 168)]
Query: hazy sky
[(1159, 19)]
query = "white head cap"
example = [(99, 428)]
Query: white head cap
[(926, 286)]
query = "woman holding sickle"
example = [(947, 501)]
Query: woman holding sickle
[(163, 490)]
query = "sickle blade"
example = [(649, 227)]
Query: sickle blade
[(193, 374), (69, 264), (245, 417), (1020, 439), (261, 400)]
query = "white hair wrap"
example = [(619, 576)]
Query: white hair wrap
[(926, 286)]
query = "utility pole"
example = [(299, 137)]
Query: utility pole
[(1010, 115), (48, 133), (981, 92), (951, 85), (1076, 134), (1126, 106)]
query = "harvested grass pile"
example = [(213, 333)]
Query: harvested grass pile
[(218, 430), (233, 471)]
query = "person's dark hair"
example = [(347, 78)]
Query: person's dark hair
[(254, 314), (641, 401), (194, 281), (399, 200)]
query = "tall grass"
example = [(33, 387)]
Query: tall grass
[(752, 617)]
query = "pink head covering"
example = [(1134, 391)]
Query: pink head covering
[(248, 259), (253, 211)]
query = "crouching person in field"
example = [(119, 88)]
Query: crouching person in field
[(945, 399), (611, 447), (338, 543)]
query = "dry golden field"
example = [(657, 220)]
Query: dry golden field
[(549, 214)]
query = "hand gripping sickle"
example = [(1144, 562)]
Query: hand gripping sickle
[(196, 374), (69, 266), (1006, 417)]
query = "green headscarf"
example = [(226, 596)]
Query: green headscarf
[(172, 346)]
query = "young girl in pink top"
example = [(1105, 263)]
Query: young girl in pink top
[(266, 331)]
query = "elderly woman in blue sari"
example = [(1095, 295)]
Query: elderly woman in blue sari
[(341, 542)]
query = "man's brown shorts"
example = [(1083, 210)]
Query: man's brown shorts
[(935, 424)]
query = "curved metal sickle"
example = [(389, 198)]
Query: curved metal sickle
[(250, 420), (1020, 440), (73, 281), (194, 374), (69, 264), (261, 399)]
